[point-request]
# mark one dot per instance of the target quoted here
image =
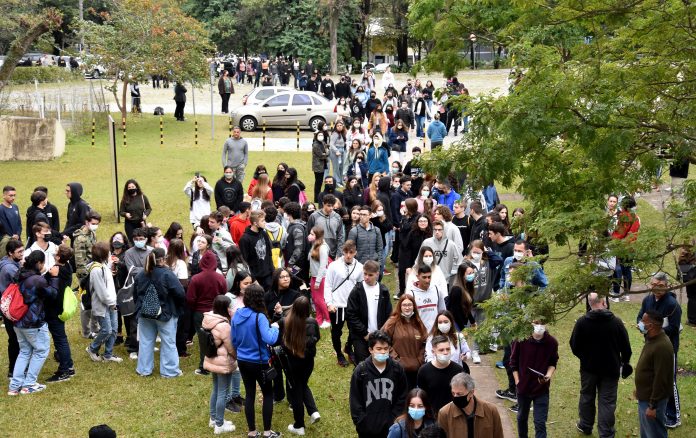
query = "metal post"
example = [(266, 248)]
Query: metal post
[(264, 136), (298, 135), (94, 123), (212, 110), (161, 131), (123, 126), (195, 136), (58, 98), (230, 123)]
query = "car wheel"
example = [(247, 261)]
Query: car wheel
[(314, 123), (95, 73), (248, 123)]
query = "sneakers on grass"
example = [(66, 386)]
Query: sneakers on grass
[(314, 417), (59, 376), (92, 355), (475, 358), (296, 430), (36, 387), (112, 358), (506, 394), (227, 427)]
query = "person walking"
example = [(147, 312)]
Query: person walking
[(251, 335), (320, 157), (226, 89), (318, 263), (600, 341), (159, 301), (467, 415), (180, 99), (134, 207), (654, 376), (255, 246), (235, 154), (228, 190), (408, 335), (331, 223), (299, 338)]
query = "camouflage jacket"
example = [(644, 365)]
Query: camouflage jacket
[(83, 241)]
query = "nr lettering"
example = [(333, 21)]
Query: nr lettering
[(379, 389)]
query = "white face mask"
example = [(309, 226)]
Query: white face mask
[(476, 256), (93, 227), (518, 255), (320, 137), (444, 327), (379, 213), (425, 193), (407, 314), (428, 260), (377, 142), (539, 329), (443, 359)]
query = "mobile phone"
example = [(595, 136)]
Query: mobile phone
[(198, 174)]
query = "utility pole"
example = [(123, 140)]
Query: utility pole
[(82, 17)]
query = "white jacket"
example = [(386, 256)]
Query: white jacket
[(335, 274)]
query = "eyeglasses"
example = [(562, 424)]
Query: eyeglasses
[(284, 277)]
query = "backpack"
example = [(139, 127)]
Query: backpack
[(276, 254), (12, 303), (85, 288), (159, 111), (70, 304), (150, 306), (207, 340)]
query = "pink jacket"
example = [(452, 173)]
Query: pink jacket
[(226, 360)]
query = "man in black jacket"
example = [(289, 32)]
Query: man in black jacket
[(377, 389), (343, 88), (601, 343), (405, 114), (479, 230), (369, 307), (255, 246), (327, 87), (313, 83), (77, 209)]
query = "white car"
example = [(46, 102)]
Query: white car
[(381, 68), (259, 94), (285, 109)]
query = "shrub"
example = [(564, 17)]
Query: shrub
[(26, 75)]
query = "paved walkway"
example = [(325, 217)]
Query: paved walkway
[(486, 384)]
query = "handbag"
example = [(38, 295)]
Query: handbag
[(269, 374), (70, 304), (124, 296)]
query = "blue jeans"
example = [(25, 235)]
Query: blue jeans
[(652, 428), (235, 385), (108, 325), (388, 241), (169, 358), (218, 398), (34, 344), (541, 413), (60, 342), (420, 124), (337, 167)]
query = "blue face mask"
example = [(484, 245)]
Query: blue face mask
[(381, 357), (641, 327), (470, 277), (140, 243), (416, 413)]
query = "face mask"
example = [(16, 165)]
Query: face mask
[(356, 125), (320, 137), (444, 327), (407, 314), (517, 255), (395, 170), (329, 187), (476, 256), (311, 238), (228, 176), (642, 328), (402, 211), (160, 240), (539, 329), (470, 277), (379, 214), (93, 227), (460, 401), (139, 244), (377, 142), (381, 357), (428, 260), (425, 193), (46, 236), (443, 359), (132, 192), (416, 413), (396, 185)]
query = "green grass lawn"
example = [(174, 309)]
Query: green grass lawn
[(153, 406)]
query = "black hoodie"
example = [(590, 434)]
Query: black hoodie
[(376, 399), (229, 193), (256, 249), (601, 343), (384, 196), (48, 214), (77, 210)]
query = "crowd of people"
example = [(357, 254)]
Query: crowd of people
[(265, 259)]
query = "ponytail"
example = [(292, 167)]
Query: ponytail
[(150, 263)]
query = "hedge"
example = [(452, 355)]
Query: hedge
[(26, 75)]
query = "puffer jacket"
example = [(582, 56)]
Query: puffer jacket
[(226, 360), (368, 242)]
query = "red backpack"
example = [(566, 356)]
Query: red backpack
[(12, 303)]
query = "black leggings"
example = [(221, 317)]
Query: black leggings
[(300, 395), (251, 374), (318, 181)]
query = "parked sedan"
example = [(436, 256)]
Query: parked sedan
[(285, 109), (259, 94)]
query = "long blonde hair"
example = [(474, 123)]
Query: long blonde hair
[(373, 187), (262, 187), (318, 241)]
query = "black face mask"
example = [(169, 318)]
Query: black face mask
[(461, 402), (329, 187), (132, 192)]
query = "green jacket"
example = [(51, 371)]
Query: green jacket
[(83, 241), (655, 369)]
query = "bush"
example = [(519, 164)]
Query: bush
[(26, 75)]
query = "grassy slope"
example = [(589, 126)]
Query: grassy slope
[(153, 406)]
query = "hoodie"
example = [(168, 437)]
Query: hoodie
[(377, 398), (377, 159), (77, 210), (447, 255), (237, 225), (600, 341), (256, 249), (35, 289), (670, 310), (226, 360), (384, 195), (103, 291), (333, 229), (250, 343), (205, 286), (340, 280), (229, 193)]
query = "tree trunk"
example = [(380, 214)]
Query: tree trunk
[(334, 14), (402, 48), (50, 19)]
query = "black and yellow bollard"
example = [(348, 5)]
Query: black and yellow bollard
[(123, 126), (298, 136), (230, 126), (264, 136), (161, 131), (94, 123), (195, 136)]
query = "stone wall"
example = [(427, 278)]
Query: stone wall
[(30, 139)]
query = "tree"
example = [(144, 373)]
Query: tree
[(140, 38), (602, 96), (30, 29)]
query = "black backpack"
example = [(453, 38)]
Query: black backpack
[(159, 111), (207, 340)]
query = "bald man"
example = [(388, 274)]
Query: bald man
[(601, 343)]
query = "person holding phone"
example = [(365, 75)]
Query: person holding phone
[(198, 190)]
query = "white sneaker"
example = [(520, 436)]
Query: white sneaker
[(314, 417), (226, 427), (493, 347), (475, 358), (615, 300), (133, 356), (325, 325), (298, 431), (112, 359), (158, 340), (627, 297), (94, 356), (211, 423)]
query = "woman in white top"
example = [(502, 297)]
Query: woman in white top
[(426, 256), (445, 327), (358, 132), (318, 262), (42, 232), (198, 190), (387, 78)]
